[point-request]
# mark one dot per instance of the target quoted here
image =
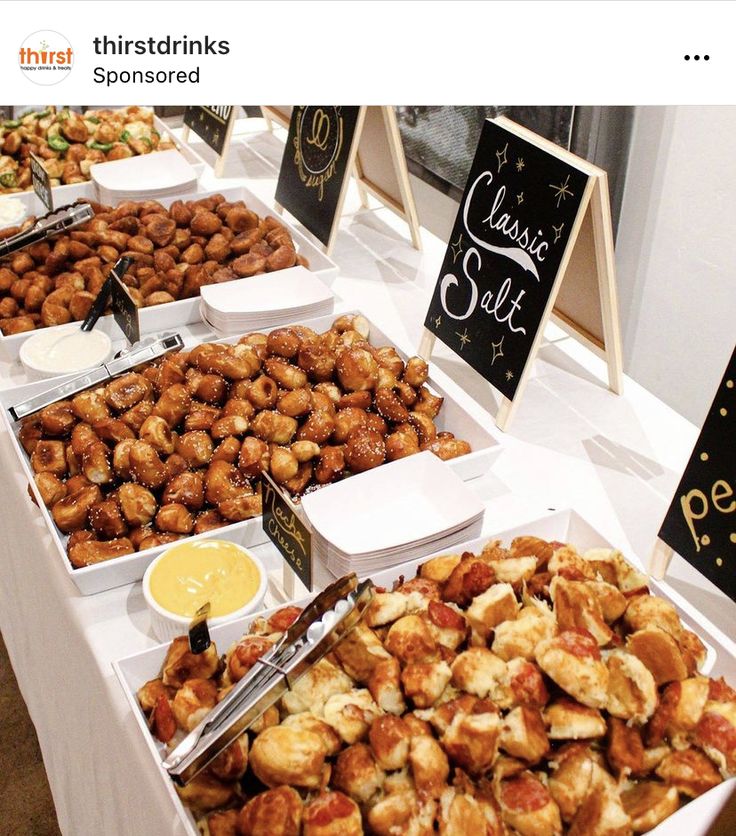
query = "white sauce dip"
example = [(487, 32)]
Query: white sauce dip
[(65, 349), (12, 211)]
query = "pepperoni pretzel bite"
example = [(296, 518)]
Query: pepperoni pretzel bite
[(573, 661), (332, 814), (527, 806)]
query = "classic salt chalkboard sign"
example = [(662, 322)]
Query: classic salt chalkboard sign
[(315, 169), (700, 524), (511, 233), (286, 531), (41, 182), (124, 310)]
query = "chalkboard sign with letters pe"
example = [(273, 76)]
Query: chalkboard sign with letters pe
[(700, 524), (316, 166)]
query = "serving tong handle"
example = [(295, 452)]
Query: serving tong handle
[(322, 624), (52, 223)]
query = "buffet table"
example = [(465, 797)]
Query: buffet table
[(616, 460)]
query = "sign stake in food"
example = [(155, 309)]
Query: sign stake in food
[(532, 241), (324, 145), (41, 182), (700, 524), (286, 530), (213, 124)]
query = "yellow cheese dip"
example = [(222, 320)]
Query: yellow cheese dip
[(189, 575)]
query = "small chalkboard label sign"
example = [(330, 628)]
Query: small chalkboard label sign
[(211, 123), (286, 531), (511, 233), (316, 166), (700, 524), (125, 310), (41, 182)]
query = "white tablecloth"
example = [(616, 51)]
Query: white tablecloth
[(616, 460)]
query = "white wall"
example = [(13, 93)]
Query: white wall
[(676, 253)]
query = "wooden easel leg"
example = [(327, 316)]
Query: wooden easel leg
[(289, 582), (426, 345), (660, 559), (506, 412), (267, 119), (358, 176), (185, 133), (402, 175), (220, 165), (603, 237)]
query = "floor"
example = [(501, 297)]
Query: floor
[(26, 808)]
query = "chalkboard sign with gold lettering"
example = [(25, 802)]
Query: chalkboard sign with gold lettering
[(517, 218), (211, 123), (700, 524), (286, 531), (315, 169)]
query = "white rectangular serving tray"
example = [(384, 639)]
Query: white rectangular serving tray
[(186, 311), (68, 194), (123, 570), (694, 818)]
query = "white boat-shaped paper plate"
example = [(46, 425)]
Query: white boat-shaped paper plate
[(459, 413), (693, 819)]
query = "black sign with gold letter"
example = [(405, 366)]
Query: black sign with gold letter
[(210, 123), (125, 311), (700, 524), (315, 165), (507, 246), (41, 182), (286, 531)]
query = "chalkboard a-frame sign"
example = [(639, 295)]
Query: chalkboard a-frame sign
[(214, 125), (700, 524), (516, 229)]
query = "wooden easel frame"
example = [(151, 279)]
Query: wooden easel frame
[(595, 201), (405, 207), (219, 166)]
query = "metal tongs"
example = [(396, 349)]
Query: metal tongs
[(144, 352), (322, 624), (50, 224)]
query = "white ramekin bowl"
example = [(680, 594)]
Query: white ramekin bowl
[(167, 625), (36, 369)]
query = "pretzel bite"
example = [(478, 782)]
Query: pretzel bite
[(241, 657), (30, 433), (659, 652), (389, 738), (51, 488), (126, 391), (523, 734), (575, 605), (716, 735), (174, 517), (601, 814), (402, 812), (332, 813), (224, 823), (272, 426), (356, 370), (411, 640), (359, 653), (137, 504), (193, 701), (632, 692), (478, 671), (309, 722), (385, 608), (645, 611), (471, 740), (446, 624), (49, 457), (577, 770), (284, 755), (612, 602), (351, 714), (90, 406), (146, 467), (96, 463), (205, 792), (625, 749), (181, 664), (232, 762), (489, 609), (689, 771), (384, 685), (357, 774), (525, 685), (276, 812), (470, 577), (106, 519), (439, 568), (71, 511), (647, 804), (569, 720), (429, 766), (90, 552), (527, 806), (573, 661), (521, 636), (424, 682), (311, 691)]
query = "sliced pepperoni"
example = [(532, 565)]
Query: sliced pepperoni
[(478, 578), (443, 616), (663, 714), (163, 723), (719, 691), (579, 642), (528, 687), (715, 730), (524, 794), (282, 619), (424, 586)]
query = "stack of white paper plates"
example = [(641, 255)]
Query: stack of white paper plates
[(265, 301), (394, 513), (150, 176)]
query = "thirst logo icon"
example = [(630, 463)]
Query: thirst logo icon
[(45, 57)]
